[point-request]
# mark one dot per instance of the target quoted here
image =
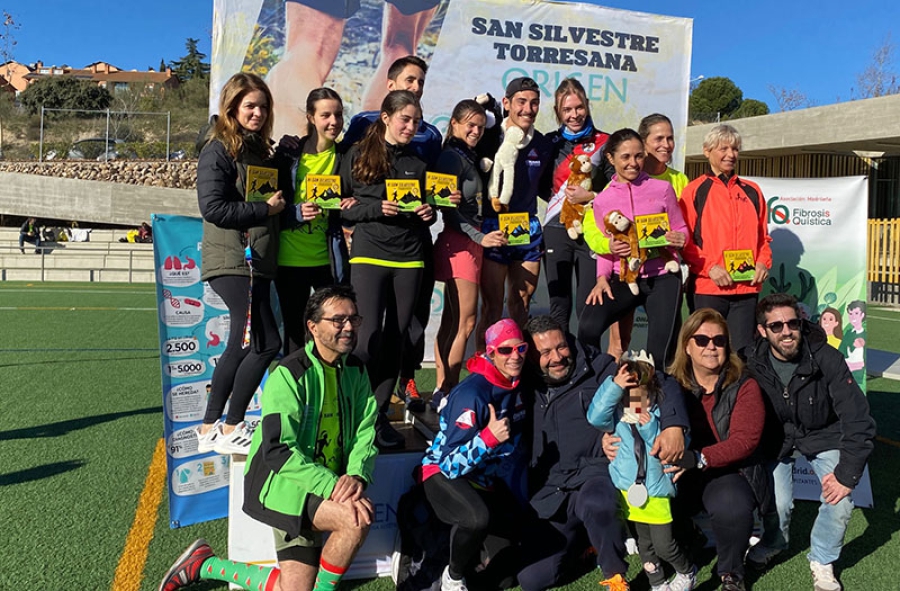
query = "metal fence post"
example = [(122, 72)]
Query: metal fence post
[(41, 143)]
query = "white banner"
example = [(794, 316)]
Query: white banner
[(251, 541), (631, 64)]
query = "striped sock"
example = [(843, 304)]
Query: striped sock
[(329, 576), (251, 577)]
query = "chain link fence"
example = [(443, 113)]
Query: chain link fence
[(103, 135)]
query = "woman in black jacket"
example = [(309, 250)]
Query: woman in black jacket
[(387, 255), (239, 253)]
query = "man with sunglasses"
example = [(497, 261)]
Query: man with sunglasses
[(309, 463), (822, 415), (570, 488)]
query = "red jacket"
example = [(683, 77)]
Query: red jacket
[(729, 221)]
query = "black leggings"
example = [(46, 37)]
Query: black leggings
[(414, 348), (294, 285), (656, 541), (661, 298), (239, 371), (386, 299), (473, 513), (564, 257), (739, 312)]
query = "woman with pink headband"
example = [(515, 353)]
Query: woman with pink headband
[(470, 470)]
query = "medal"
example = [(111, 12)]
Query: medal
[(637, 495)]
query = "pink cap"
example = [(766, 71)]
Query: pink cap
[(501, 331)]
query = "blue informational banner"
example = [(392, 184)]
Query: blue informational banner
[(193, 330)]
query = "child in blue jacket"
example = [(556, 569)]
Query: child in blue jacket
[(628, 405)]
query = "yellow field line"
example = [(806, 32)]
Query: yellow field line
[(131, 564)]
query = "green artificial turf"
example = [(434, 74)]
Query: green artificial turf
[(82, 412)]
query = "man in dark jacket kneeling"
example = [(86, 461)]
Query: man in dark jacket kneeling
[(570, 487), (825, 418)]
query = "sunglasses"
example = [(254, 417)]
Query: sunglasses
[(521, 349), (703, 340), (778, 325), (339, 321)]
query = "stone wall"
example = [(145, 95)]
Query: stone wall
[(174, 175)]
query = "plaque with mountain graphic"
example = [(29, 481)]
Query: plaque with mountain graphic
[(324, 190), (740, 264), (262, 183), (515, 227), (438, 187), (406, 193), (651, 229)]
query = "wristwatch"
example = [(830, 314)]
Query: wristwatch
[(701, 461)]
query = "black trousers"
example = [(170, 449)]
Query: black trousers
[(239, 370), (386, 299), (661, 298), (564, 258), (739, 312), (472, 513), (728, 499), (294, 285), (551, 543)]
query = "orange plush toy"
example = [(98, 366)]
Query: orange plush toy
[(619, 227), (572, 214)]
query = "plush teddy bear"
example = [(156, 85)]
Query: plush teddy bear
[(572, 214), (619, 227), (514, 139)]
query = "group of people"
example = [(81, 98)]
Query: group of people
[(521, 449)]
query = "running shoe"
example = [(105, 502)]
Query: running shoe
[(236, 442), (186, 569)]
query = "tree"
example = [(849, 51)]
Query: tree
[(879, 77), (750, 108), (64, 92), (790, 99), (714, 99), (192, 64), (162, 65)]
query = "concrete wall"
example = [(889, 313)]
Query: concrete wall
[(92, 201), (870, 125)]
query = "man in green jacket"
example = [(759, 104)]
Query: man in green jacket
[(309, 463)]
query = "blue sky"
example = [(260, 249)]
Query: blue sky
[(818, 48)]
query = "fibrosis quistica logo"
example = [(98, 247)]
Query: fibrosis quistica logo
[(781, 214)]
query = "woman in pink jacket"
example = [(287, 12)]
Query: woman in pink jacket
[(658, 287)]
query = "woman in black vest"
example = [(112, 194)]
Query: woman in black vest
[(721, 473)]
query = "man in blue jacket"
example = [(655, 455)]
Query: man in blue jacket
[(824, 416), (570, 486)]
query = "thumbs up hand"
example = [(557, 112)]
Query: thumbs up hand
[(499, 428)]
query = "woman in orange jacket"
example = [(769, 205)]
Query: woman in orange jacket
[(729, 254)]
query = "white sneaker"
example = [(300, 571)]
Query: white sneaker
[(207, 443), (684, 581), (663, 587), (450, 584), (823, 577), (236, 442)]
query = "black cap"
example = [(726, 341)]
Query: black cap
[(519, 84)]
